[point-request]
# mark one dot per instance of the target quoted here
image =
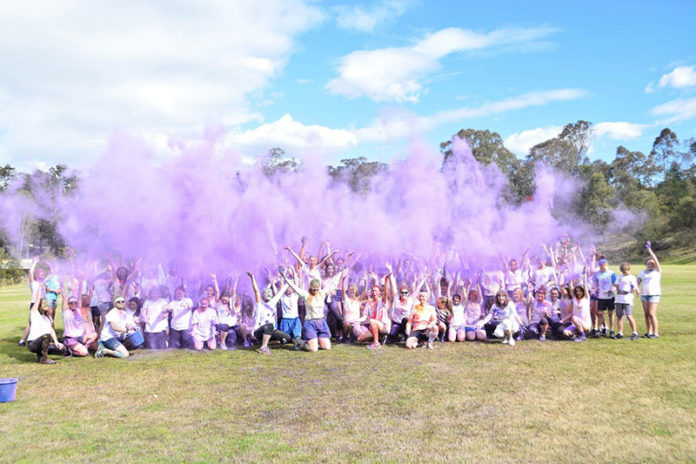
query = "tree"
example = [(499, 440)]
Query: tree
[(665, 148), (7, 174), (357, 172), (487, 147), (632, 170), (277, 162), (566, 152), (597, 200)]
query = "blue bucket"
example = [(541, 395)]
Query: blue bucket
[(136, 339), (8, 390)]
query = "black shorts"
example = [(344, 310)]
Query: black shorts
[(420, 335), (605, 305)]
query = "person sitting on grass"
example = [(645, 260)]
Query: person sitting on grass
[(626, 286), (581, 317), (377, 316), (265, 316), (117, 326), (502, 320), (41, 332), (542, 314), (203, 325), (422, 324), (74, 334)]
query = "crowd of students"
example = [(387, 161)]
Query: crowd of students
[(316, 299)]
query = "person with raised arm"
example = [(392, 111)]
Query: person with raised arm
[(41, 332), (422, 324), (316, 330), (265, 316), (541, 315), (155, 314), (626, 286), (514, 272), (473, 313), (310, 268), (402, 302), (37, 289), (649, 280), (580, 317), (457, 320), (203, 325), (290, 322)]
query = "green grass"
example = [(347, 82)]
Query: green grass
[(599, 401)]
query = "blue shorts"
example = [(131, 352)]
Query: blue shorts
[(472, 328), (316, 328), (650, 298), (112, 343), (292, 327)]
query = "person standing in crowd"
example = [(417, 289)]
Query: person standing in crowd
[(649, 280)]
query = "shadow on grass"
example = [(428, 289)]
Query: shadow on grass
[(9, 347)]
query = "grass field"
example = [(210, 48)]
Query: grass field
[(599, 401)]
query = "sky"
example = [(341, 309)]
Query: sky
[(335, 79)]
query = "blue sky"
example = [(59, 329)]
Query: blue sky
[(339, 79)]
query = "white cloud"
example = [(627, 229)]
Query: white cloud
[(404, 124), (73, 72), (294, 137), (519, 143), (650, 88), (395, 74), (676, 110), (367, 18), (680, 77), (618, 130)]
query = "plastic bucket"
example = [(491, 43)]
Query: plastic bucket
[(136, 339), (8, 390)]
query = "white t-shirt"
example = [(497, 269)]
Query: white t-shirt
[(181, 313), (457, 316), (605, 284), (625, 283), (155, 315), (118, 316), (650, 282), (513, 279), (581, 309), (73, 325), (204, 323), (226, 315), (263, 314), (402, 310), (542, 277), (40, 325), (290, 306)]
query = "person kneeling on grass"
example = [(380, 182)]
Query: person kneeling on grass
[(265, 316), (117, 326), (203, 322), (41, 332), (422, 324), (580, 317)]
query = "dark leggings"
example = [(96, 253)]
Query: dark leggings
[(275, 334), (40, 346), (397, 328), (490, 328), (156, 340), (180, 339), (334, 317)]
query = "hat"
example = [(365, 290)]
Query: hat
[(603, 262)]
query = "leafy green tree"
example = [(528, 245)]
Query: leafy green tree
[(596, 200), (567, 151), (276, 162), (357, 172), (7, 174)]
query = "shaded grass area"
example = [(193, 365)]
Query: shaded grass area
[(597, 401)]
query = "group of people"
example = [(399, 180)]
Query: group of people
[(312, 300)]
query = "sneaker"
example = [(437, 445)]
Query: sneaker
[(47, 361), (653, 336), (100, 351), (512, 341), (612, 335), (264, 350), (634, 337), (619, 335), (542, 338), (374, 346), (604, 332), (595, 333), (299, 345), (580, 338), (22, 343), (223, 346), (646, 335), (430, 346), (506, 340), (247, 344)]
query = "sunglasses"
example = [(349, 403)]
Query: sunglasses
[(404, 293), (119, 301)]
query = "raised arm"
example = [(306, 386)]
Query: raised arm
[(648, 246), (299, 259), (257, 295)]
